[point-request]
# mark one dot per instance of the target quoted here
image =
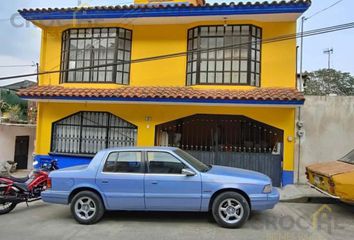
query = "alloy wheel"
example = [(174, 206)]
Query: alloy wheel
[(231, 211), (85, 208)]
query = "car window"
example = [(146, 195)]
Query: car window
[(349, 158), (192, 161), (164, 163), (129, 162)]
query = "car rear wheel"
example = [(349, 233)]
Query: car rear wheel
[(230, 210), (87, 207)]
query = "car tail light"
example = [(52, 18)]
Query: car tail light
[(49, 183)]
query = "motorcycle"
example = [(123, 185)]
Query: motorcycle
[(28, 189)]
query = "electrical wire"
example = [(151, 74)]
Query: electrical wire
[(287, 37), (323, 10), (16, 66)]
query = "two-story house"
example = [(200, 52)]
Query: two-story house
[(212, 79)]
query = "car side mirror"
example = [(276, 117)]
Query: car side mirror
[(188, 172)]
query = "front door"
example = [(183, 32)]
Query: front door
[(166, 188), (21, 151), (122, 180)]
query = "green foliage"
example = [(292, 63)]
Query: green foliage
[(14, 113), (329, 81), (12, 105)]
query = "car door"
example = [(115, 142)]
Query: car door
[(122, 180), (166, 188)]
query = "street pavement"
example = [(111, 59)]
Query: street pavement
[(287, 221)]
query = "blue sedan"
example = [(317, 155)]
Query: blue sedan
[(159, 179)]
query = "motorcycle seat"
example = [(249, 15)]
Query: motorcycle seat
[(22, 186), (19, 180)]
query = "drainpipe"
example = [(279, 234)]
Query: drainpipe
[(0, 106), (299, 147)]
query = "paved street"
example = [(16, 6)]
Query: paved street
[(286, 221)]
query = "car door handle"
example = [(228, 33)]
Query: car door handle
[(154, 182), (104, 181)]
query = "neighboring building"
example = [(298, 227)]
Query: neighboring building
[(232, 105), (327, 131), (17, 144)]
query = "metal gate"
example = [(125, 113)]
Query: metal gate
[(227, 140)]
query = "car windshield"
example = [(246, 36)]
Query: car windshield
[(201, 167), (349, 158)]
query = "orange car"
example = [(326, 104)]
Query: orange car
[(335, 179)]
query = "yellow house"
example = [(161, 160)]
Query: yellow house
[(213, 79)]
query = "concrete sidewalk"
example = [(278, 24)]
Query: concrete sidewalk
[(298, 192)]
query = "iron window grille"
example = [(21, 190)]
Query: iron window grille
[(86, 133), (239, 64), (91, 47)]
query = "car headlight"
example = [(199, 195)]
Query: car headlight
[(267, 188)]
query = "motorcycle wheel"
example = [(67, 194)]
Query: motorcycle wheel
[(7, 207)]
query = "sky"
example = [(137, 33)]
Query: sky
[(20, 42)]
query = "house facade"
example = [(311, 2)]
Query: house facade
[(214, 80)]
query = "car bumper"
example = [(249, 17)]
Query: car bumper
[(261, 202), (58, 197), (322, 191)]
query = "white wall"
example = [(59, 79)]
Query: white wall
[(329, 130), (8, 135)]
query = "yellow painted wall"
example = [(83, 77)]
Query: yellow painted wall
[(278, 67), (282, 118), (278, 70)]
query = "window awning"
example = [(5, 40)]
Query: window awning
[(166, 95)]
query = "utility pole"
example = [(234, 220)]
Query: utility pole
[(37, 66), (1, 104), (301, 83), (329, 52)]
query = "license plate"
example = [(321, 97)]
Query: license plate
[(317, 180)]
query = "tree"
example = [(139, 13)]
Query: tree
[(329, 81), (14, 113), (8, 100)]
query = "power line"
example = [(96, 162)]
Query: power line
[(325, 9), (15, 66), (179, 54)]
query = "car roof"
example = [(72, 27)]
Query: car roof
[(140, 148)]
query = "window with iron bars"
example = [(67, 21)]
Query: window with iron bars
[(89, 132), (235, 60), (91, 47)]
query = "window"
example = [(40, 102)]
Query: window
[(89, 132), (164, 163), (92, 47), (128, 162), (239, 64)]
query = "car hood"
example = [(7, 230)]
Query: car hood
[(330, 169), (239, 173)]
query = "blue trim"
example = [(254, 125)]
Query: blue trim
[(287, 178), (175, 100), (63, 161), (171, 11)]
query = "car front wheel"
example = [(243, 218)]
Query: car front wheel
[(87, 207), (230, 210)]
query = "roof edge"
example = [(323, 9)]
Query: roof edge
[(166, 10)]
